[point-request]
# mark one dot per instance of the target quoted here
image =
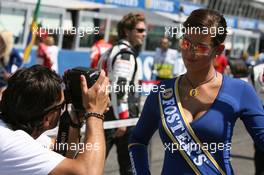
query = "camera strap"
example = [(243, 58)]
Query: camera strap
[(63, 133)]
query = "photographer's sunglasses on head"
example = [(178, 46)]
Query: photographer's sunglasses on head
[(61, 106)]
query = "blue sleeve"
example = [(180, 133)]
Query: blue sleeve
[(17, 59), (252, 115), (142, 133)]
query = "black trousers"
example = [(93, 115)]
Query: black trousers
[(122, 150), (121, 145), (259, 161)]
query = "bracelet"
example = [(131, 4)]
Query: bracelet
[(94, 114)]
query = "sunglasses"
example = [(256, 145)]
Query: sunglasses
[(140, 30), (198, 49), (61, 106)]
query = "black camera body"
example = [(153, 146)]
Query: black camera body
[(73, 92)]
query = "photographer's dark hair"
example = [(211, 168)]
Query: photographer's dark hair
[(128, 22), (208, 18), (29, 92)]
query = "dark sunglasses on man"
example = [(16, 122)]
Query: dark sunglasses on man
[(140, 30)]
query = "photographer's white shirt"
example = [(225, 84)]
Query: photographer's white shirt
[(20, 154)]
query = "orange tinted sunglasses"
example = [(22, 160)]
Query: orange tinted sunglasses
[(198, 49)]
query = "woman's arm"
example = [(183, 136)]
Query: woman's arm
[(142, 133), (253, 115)]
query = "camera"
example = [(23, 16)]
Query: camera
[(73, 92)]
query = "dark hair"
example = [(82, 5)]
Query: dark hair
[(128, 22), (208, 18), (29, 92)]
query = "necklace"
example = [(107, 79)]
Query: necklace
[(194, 90)]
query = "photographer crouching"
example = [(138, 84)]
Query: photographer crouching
[(33, 103)]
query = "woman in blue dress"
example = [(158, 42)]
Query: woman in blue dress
[(195, 113)]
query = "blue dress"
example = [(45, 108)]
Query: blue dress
[(236, 99)]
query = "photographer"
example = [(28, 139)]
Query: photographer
[(32, 104)]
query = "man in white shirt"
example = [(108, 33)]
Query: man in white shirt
[(167, 62), (33, 103), (121, 66), (257, 77)]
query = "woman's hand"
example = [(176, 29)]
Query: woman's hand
[(95, 99)]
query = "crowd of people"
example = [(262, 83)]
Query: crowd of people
[(198, 106)]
